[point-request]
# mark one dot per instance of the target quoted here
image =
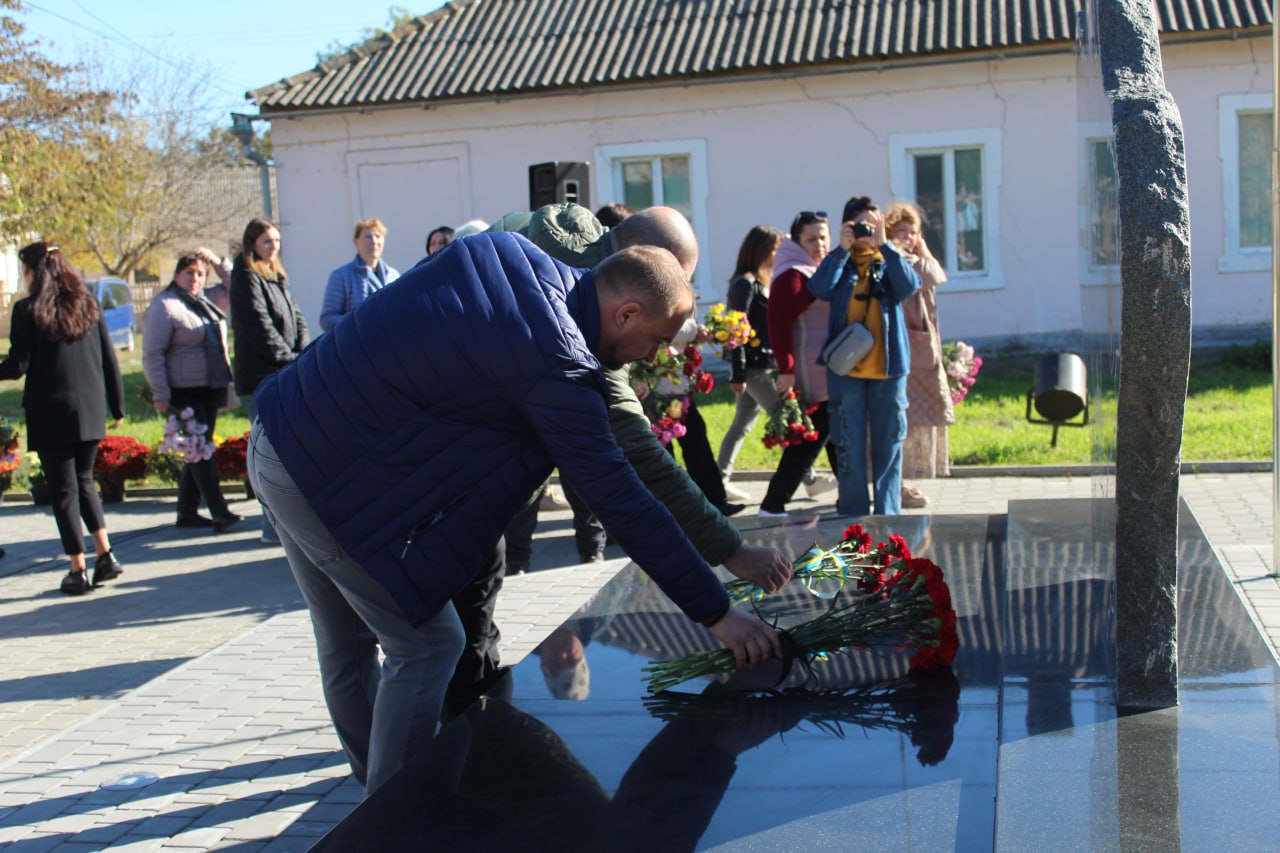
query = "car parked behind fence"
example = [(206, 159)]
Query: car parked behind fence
[(117, 306)]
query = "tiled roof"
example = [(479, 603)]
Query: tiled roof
[(493, 48)]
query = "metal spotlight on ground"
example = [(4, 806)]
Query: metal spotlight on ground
[(1060, 392)]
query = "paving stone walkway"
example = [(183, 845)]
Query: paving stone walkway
[(197, 666)]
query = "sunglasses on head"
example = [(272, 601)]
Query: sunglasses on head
[(811, 215)]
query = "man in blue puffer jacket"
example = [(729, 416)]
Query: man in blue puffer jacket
[(394, 451)]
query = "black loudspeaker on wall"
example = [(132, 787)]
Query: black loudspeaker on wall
[(550, 183)]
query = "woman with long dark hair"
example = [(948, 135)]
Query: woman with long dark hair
[(269, 329), (750, 366), (58, 339), (184, 357)]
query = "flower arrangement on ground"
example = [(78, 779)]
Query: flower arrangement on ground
[(962, 368), (664, 386), (120, 458), (730, 329), (790, 421), (10, 459), (895, 601), (229, 458)]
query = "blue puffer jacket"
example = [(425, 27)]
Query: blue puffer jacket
[(418, 426), (834, 281)]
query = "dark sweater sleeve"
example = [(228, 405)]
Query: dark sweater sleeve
[(111, 377), (788, 297), (739, 299), (712, 534), (21, 331)]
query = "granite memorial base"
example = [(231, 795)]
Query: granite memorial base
[(1018, 746)]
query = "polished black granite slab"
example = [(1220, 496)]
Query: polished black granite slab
[(1017, 747)]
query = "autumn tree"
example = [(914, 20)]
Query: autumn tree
[(45, 111)]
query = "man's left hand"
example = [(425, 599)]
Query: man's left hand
[(764, 567)]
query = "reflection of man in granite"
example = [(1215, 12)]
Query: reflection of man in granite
[(395, 450)]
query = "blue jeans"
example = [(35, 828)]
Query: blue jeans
[(385, 716), (868, 413)]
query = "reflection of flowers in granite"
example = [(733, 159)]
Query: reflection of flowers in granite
[(923, 705), (880, 598)]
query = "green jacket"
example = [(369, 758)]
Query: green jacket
[(572, 235)]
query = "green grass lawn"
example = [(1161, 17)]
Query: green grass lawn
[(1228, 416), (142, 421)]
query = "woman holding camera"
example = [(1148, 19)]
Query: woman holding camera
[(58, 339), (866, 280)]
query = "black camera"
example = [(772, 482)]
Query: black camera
[(863, 229)]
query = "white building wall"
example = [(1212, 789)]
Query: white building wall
[(774, 147)]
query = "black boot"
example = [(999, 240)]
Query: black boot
[(106, 567)]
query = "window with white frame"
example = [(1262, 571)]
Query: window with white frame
[(954, 178), (1244, 144), (671, 173)]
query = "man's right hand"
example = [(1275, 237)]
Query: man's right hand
[(751, 640), (738, 387), (762, 566)]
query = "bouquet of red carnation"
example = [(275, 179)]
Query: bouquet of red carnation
[(120, 458), (790, 421), (826, 571), (229, 458), (896, 602), (664, 386)]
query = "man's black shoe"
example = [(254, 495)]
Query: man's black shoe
[(193, 521), (76, 583), (222, 525), (730, 509), (106, 567)]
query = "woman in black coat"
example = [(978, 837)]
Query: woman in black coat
[(269, 329), (58, 338)]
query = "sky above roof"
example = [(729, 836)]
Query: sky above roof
[(242, 44)]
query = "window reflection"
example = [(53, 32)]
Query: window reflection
[(1104, 219)]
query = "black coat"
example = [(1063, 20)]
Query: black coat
[(268, 327), (70, 384), (746, 295)]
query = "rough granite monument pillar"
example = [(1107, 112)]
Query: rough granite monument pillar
[(1155, 350)]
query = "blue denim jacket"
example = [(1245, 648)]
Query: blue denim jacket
[(349, 285), (834, 281)]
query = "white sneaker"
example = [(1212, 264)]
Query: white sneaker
[(733, 493), (913, 498), (822, 484), (553, 499), (764, 513)]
